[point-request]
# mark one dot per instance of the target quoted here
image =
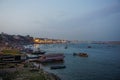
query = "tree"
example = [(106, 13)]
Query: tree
[(1, 38)]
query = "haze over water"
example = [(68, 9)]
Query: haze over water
[(62, 19)]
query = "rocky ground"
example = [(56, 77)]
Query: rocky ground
[(25, 72)]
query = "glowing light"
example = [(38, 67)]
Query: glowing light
[(36, 40)]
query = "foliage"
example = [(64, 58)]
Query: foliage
[(8, 76), (37, 77), (0, 38), (5, 51)]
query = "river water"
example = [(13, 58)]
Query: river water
[(102, 63)]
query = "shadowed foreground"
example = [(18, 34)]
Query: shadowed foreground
[(26, 73)]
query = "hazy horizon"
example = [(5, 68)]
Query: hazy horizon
[(94, 20)]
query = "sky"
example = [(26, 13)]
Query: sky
[(62, 19)]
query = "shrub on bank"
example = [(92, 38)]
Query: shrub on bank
[(8, 76), (15, 51), (37, 77)]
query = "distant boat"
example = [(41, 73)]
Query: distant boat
[(83, 54), (80, 54), (38, 52), (66, 47), (58, 67), (31, 56), (89, 46)]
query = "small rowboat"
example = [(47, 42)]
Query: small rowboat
[(58, 67)]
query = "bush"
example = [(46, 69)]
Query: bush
[(11, 51), (7, 76), (37, 77)]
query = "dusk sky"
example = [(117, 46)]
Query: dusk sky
[(62, 19)]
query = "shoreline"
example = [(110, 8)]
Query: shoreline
[(26, 73), (10, 69)]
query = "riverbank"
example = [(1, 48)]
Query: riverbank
[(25, 72), (11, 70)]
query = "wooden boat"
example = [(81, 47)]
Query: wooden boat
[(89, 46), (51, 57), (38, 52), (80, 54), (58, 67), (83, 54), (31, 56)]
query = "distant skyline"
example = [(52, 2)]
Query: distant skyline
[(94, 20)]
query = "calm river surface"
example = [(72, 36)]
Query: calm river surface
[(102, 63)]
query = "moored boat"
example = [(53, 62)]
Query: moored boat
[(80, 54), (83, 54), (51, 57), (31, 56), (38, 52), (58, 67)]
